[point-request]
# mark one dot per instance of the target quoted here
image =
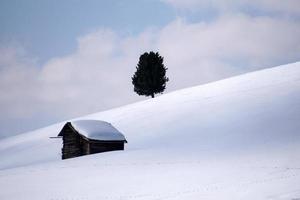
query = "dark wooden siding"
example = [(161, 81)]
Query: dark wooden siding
[(71, 143), (102, 146)]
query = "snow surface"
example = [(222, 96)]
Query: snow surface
[(233, 139), (98, 130)]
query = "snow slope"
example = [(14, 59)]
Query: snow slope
[(234, 139)]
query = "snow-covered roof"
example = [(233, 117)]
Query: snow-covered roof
[(97, 130)]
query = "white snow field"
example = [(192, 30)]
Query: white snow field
[(234, 139)]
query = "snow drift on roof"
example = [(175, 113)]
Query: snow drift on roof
[(97, 130)]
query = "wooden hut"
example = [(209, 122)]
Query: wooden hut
[(83, 137)]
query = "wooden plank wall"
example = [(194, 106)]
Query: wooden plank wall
[(71, 144), (102, 146)]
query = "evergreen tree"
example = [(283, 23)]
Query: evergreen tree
[(150, 76)]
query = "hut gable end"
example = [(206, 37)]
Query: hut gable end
[(71, 142)]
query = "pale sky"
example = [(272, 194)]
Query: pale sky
[(64, 59)]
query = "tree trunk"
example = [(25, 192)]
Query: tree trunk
[(152, 95)]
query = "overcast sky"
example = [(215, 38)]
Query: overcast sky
[(64, 59)]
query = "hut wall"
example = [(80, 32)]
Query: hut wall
[(85, 146), (103, 146), (71, 144)]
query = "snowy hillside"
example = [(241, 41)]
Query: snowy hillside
[(234, 139)]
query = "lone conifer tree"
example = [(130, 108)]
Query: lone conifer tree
[(150, 76)]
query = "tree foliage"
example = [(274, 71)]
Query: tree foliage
[(150, 76)]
